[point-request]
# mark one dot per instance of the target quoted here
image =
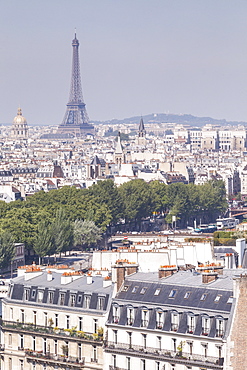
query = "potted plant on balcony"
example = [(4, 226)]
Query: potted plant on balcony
[(65, 350), (180, 349)]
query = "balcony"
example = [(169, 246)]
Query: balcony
[(174, 357), (49, 331), (51, 359), (116, 368)]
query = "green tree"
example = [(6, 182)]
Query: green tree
[(86, 233), (7, 249), (62, 232), (43, 241)]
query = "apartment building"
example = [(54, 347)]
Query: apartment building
[(54, 320)]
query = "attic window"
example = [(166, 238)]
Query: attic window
[(157, 292), (172, 294), (134, 290), (187, 295), (203, 297), (217, 298), (79, 299), (230, 300), (143, 290), (33, 293), (125, 288)]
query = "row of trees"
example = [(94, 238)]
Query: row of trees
[(49, 222)]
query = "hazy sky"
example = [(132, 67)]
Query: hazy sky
[(136, 56)]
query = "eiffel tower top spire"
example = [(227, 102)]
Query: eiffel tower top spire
[(76, 119)]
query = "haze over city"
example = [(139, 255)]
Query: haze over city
[(137, 57)]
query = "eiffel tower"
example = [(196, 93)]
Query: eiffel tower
[(76, 121)]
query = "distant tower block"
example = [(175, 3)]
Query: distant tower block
[(76, 119), (19, 129), (141, 140)]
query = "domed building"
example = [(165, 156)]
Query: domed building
[(19, 128)]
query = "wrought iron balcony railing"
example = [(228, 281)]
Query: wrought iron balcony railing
[(182, 357), (50, 331), (50, 358)]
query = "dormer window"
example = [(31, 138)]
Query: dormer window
[(33, 295), (101, 302), (26, 294), (174, 321), (205, 325), (62, 299), (203, 297), (230, 300), (87, 301), (191, 323), (217, 298), (40, 296), (125, 288), (220, 326), (130, 315), (187, 295), (79, 299), (72, 300), (159, 319), (50, 297), (115, 314), (134, 290), (143, 290), (144, 322)]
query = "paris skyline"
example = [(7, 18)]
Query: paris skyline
[(136, 57)]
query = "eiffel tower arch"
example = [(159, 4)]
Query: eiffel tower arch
[(76, 119)]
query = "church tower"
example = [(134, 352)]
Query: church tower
[(141, 140), (119, 155), (19, 129)]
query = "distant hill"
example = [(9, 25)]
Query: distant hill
[(186, 119)]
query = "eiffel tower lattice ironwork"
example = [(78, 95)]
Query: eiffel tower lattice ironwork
[(76, 118)]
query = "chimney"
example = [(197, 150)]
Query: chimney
[(166, 271), (209, 277), (49, 275), (66, 278), (107, 282), (121, 269), (212, 267), (89, 279)]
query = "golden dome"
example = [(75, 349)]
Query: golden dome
[(19, 119)]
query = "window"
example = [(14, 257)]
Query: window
[(190, 324), (144, 340), (174, 321), (80, 323), (94, 353), (56, 320), (217, 298), (115, 336), (143, 290), (128, 363), (144, 321), (130, 315), (87, 301), (174, 344), (72, 300), (10, 363), (21, 363), (62, 298), (35, 317), (44, 345), (11, 313), (205, 325), (114, 361), (55, 346), (203, 297), (125, 288), (143, 364), (10, 340), (101, 302), (115, 314), (50, 297), (219, 327), (34, 343), (130, 339), (26, 294), (21, 341), (172, 294), (134, 290), (79, 351), (187, 295), (159, 343), (40, 296), (33, 293), (95, 325), (157, 292), (46, 319), (67, 322), (79, 299), (159, 319), (230, 300), (22, 316)]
